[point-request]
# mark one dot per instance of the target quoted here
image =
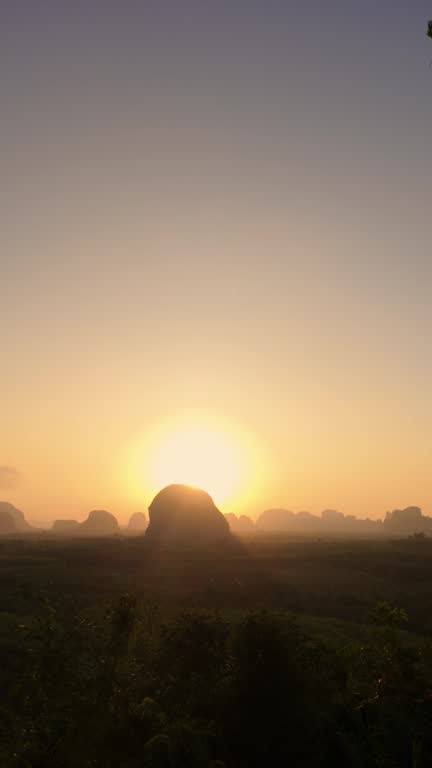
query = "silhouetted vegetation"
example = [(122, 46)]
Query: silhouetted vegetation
[(291, 653)]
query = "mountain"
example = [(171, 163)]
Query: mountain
[(276, 520), (99, 523), (7, 524), (17, 516), (186, 515), (407, 521), (137, 523), (242, 524), (330, 522), (66, 527)]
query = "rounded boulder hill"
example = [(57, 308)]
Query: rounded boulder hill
[(99, 523), (7, 523), (137, 523), (186, 515), (66, 527), (242, 524)]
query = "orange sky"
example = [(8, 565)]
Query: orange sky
[(220, 213)]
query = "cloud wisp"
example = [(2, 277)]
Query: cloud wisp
[(9, 477)]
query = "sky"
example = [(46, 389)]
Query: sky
[(216, 211)]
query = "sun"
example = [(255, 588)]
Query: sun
[(202, 457), (206, 454)]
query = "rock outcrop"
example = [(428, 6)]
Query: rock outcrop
[(7, 524), (66, 527), (137, 523), (331, 522), (276, 520), (242, 524), (245, 524), (17, 516), (99, 523), (231, 519), (181, 514), (407, 521)]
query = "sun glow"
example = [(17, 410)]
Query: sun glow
[(201, 457), (213, 456)]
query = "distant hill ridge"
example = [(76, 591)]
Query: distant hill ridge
[(196, 508), (400, 521), (99, 523)]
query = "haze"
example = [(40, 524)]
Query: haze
[(223, 209)]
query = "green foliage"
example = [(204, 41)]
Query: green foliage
[(201, 692), (387, 615), (123, 683)]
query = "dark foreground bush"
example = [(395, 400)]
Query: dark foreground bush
[(127, 691)]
